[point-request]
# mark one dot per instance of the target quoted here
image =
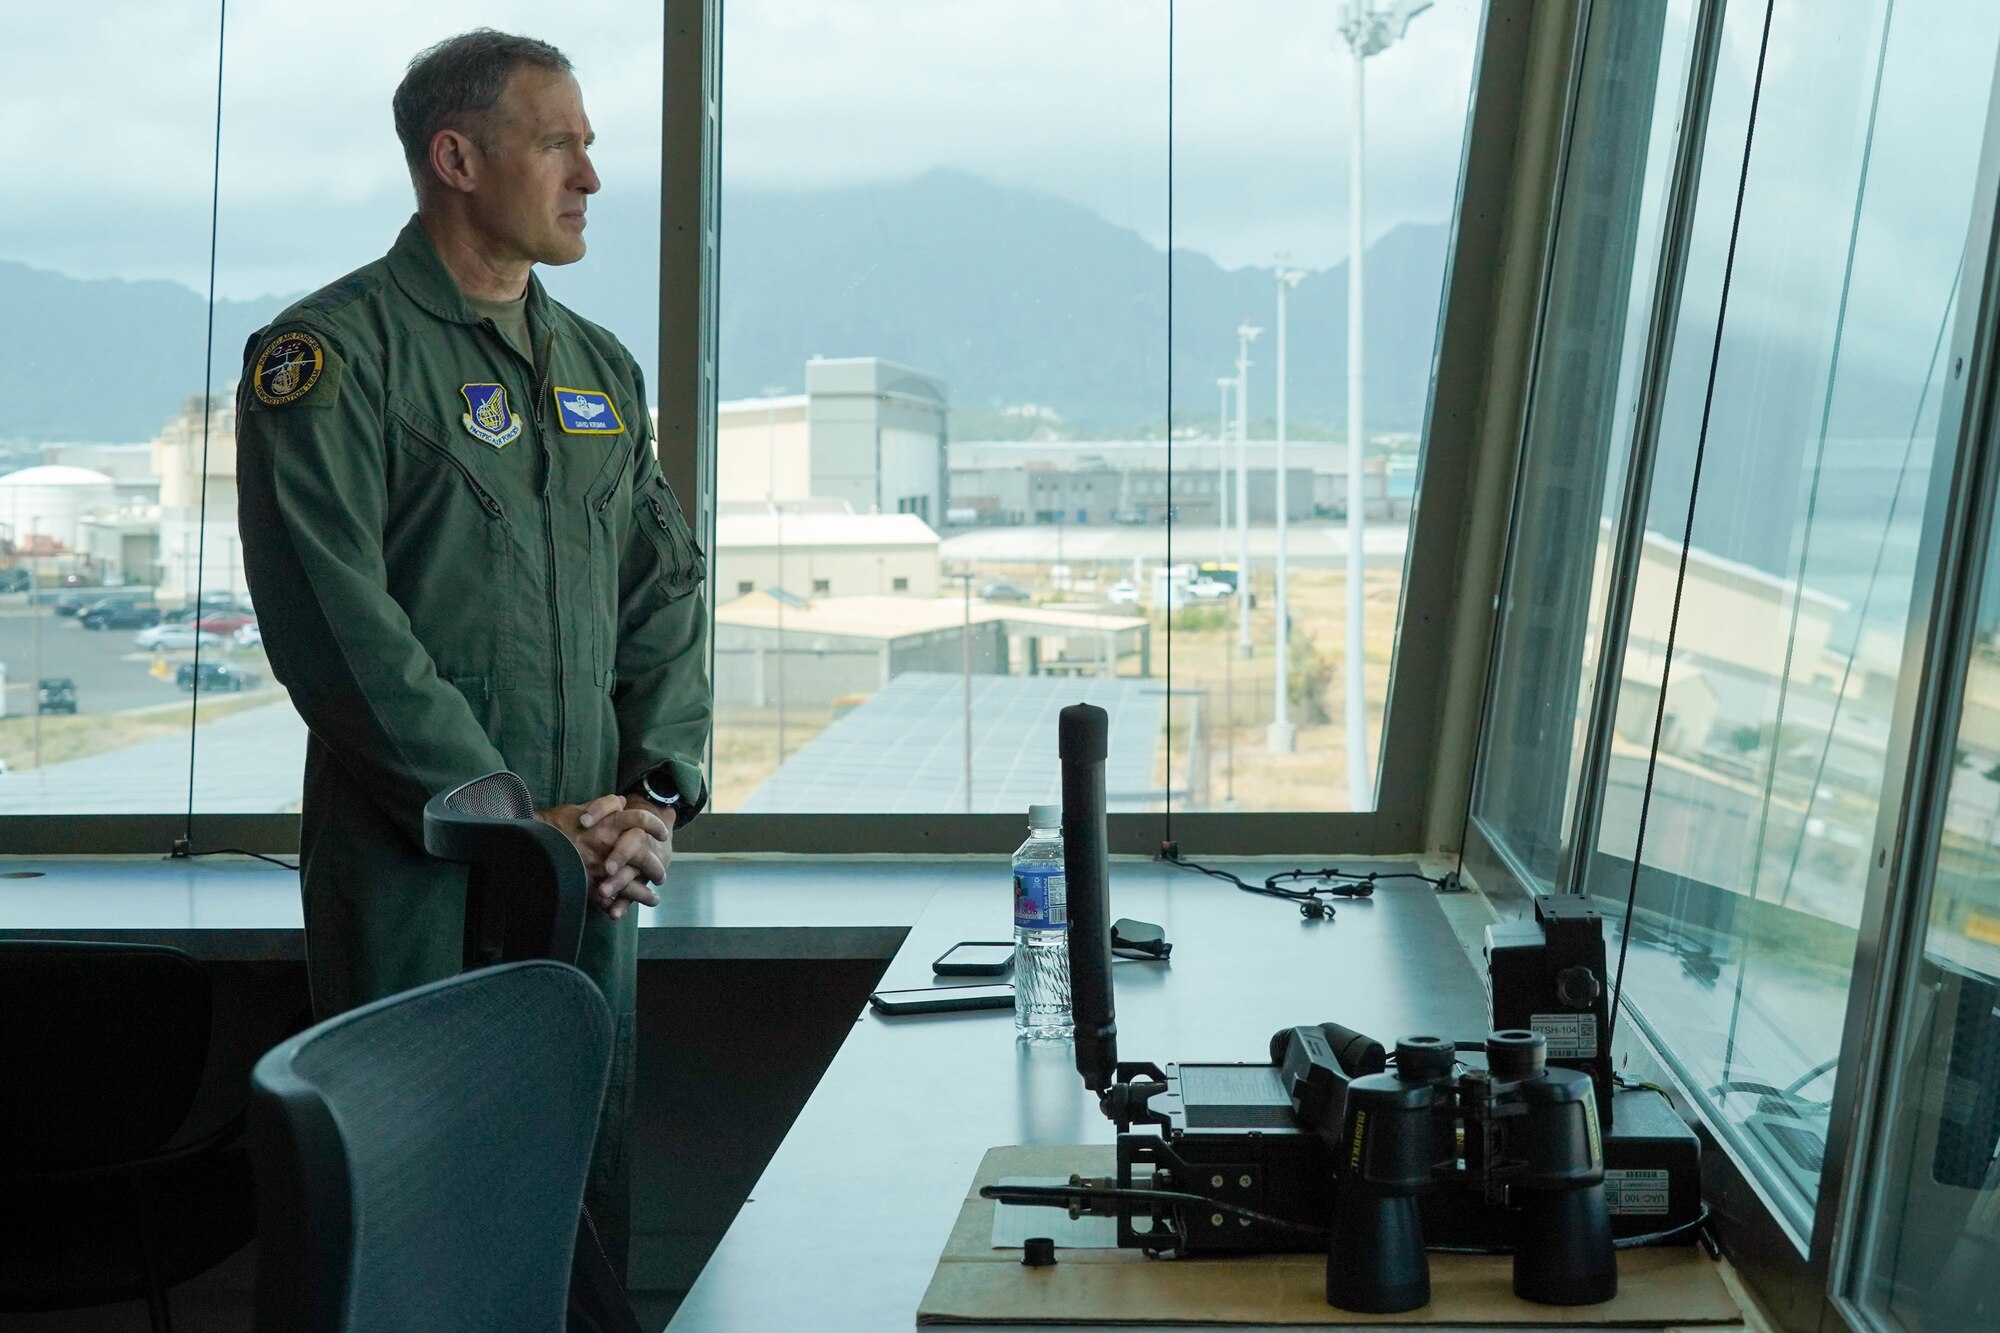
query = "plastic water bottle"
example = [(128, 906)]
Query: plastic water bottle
[(1041, 929)]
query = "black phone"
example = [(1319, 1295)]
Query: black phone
[(943, 999), (976, 958)]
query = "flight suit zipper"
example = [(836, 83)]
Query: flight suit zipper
[(549, 542)]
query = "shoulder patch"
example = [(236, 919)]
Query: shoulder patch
[(293, 366)]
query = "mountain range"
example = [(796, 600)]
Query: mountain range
[(1011, 296)]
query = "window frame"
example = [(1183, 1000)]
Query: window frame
[(1817, 1288), (1490, 309), (1953, 555)]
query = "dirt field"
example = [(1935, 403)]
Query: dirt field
[(1232, 710)]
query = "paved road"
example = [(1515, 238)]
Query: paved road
[(110, 674), (251, 762)]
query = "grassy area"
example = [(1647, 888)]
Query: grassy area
[(77, 737)]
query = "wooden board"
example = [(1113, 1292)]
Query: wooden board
[(976, 1283)]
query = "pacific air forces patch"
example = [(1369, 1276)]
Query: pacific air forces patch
[(289, 368), (490, 421)]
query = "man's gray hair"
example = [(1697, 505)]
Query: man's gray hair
[(452, 85)]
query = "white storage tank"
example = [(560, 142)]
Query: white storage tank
[(52, 501)]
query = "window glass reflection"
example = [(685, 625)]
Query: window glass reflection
[(1820, 439)]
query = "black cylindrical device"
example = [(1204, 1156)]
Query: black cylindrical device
[(1083, 733)]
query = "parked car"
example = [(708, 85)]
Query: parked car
[(1209, 588), (1124, 594), (214, 677), (248, 636), (15, 580), (224, 622), (1006, 592), (211, 603), (175, 636), (56, 694), (115, 615)]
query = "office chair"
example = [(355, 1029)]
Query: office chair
[(102, 1048), (420, 1160), (527, 891)]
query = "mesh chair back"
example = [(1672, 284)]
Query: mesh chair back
[(501, 795), (103, 1050), (527, 891), (421, 1160)]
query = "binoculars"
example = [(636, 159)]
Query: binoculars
[(1517, 1132)]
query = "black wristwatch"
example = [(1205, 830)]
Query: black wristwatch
[(644, 786)]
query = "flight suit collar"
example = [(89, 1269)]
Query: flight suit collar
[(414, 263)]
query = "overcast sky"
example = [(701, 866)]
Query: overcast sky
[(111, 113)]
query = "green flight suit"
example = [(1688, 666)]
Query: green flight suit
[(463, 562)]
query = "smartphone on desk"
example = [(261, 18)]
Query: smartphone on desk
[(942, 999), (976, 958)]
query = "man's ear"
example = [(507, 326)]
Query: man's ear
[(455, 160)]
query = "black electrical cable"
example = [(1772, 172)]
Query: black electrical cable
[(1687, 532), (1331, 881), (238, 851), (207, 391), (1065, 1196)]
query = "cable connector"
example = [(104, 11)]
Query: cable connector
[(1312, 909), (1170, 850), (180, 850), (1451, 883)]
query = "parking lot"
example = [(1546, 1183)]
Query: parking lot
[(111, 675)]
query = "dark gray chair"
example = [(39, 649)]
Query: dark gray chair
[(421, 1160), (102, 1048), (527, 891)]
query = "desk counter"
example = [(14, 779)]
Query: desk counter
[(844, 1228)]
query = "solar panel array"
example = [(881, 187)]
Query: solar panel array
[(903, 751)]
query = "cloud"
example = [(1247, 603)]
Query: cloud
[(111, 115)]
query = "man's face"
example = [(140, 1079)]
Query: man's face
[(535, 175)]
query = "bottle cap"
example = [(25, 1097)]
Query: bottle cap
[(1045, 816), (1038, 1252)]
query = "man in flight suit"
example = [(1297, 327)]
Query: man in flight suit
[(465, 557)]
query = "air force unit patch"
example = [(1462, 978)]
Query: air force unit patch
[(288, 368), (489, 420), (586, 412)]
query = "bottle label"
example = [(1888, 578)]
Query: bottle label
[(1041, 900)]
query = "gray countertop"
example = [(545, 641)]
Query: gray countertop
[(241, 909), (845, 1226)]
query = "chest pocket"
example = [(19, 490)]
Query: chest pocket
[(449, 550), (682, 566)]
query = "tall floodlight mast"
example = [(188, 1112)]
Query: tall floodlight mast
[(1367, 31), (1245, 335), (1281, 737)]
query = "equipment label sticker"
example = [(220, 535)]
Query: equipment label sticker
[(1637, 1192), (1041, 899), (1570, 1036)]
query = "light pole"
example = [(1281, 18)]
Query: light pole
[(1367, 32), (778, 522), (35, 619), (1226, 383), (1280, 737), (965, 672), (1245, 335)]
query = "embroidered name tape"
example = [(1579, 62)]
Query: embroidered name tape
[(490, 420), (586, 412)]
